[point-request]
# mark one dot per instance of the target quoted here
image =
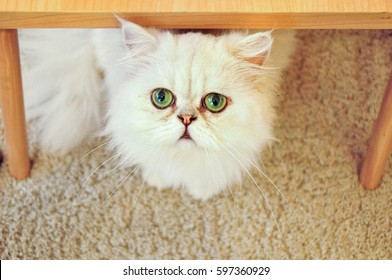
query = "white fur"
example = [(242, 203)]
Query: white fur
[(62, 85), (68, 74)]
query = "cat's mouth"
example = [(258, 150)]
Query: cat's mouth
[(186, 135)]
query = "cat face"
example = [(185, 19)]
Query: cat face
[(189, 97)]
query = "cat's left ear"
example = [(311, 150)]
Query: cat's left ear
[(255, 47), (134, 35)]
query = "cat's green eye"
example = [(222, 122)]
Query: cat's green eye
[(162, 98), (215, 102)]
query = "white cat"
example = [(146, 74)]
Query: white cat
[(189, 109)]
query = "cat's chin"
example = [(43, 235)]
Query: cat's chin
[(186, 143)]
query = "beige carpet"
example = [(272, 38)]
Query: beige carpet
[(331, 95)]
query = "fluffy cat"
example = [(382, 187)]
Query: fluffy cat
[(189, 110)]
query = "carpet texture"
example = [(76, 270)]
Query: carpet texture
[(330, 99)]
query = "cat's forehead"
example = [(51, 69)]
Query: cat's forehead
[(193, 64), (200, 50)]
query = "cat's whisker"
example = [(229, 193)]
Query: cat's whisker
[(157, 133), (137, 168), (212, 158), (114, 168), (270, 181), (216, 128), (257, 185), (263, 174), (88, 177), (89, 153), (126, 158), (275, 186), (139, 191), (156, 129), (211, 164)]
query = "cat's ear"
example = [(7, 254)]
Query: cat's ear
[(255, 47), (134, 35)]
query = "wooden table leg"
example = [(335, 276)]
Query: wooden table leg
[(11, 96), (380, 144)]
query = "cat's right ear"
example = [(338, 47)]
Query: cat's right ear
[(134, 35)]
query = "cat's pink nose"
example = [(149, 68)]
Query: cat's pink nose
[(187, 119)]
